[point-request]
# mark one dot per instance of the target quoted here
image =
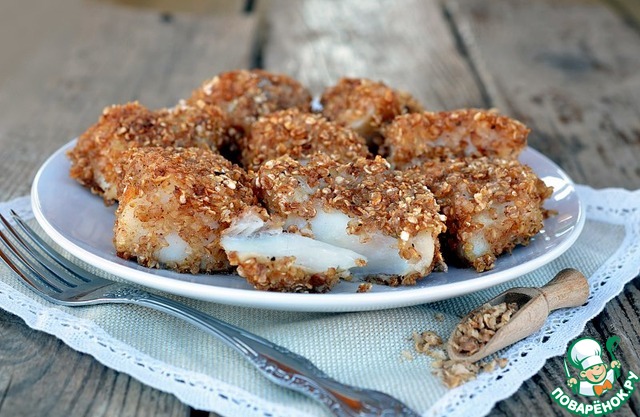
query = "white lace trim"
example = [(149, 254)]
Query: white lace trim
[(614, 206), (195, 389)]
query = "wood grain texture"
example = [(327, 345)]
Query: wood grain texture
[(199, 7), (94, 54), (571, 71), (112, 55), (407, 44), (574, 80), (620, 317), (629, 11), (41, 376)]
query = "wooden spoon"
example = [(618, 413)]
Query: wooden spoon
[(569, 288)]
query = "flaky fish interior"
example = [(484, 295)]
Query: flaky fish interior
[(388, 216), (272, 259)]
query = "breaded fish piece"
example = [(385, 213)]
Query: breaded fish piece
[(174, 205), (191, 210), (491, 205), (413, 138), (246, 95), (366, 106), (388, 216), (299, 135), (98, 151), (273, 260)]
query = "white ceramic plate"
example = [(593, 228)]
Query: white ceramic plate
[(79, 222)]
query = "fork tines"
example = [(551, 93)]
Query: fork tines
[(33, 259)]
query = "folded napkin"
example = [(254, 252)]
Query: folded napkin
[(367, 349)]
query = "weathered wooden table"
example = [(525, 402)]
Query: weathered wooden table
[(569, 69)]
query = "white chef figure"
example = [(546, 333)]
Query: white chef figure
[(586, 355)]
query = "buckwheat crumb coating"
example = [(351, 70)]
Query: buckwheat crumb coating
[(491, 205), (246, 95), (388, 216), (413, 138), (273, 260), (175, 204), (283, 275), (98, 151), (299, 135), (366, 106)]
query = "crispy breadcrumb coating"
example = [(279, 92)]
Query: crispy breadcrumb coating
[(281, 274), (174, 206), (273, 260), (246, 95), (380, 198), (413, 138), (377, 200), (98, 151), (491, 205), (299, 135), (366, 106)]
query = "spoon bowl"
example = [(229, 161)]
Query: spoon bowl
[(569, 288)]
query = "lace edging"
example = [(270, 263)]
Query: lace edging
[(197, 390), (613, 206)]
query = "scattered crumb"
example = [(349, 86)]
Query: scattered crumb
[(471, 335), (407, 355), (430, 344), (452, 373), (439, 317), (502, 362), (364, 287), (425, 341)]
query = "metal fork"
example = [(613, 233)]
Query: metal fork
[(58, 280)]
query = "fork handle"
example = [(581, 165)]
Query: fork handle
[(282, 366)]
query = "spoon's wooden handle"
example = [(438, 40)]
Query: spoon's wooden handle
[(569, 288)]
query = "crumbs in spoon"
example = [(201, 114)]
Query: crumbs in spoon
[(476, 331)]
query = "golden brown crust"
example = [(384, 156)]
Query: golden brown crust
[(299, 135), (282, 275), (366, 106), (413, 138), (98, 151), (246, 95), (497, 199), (392, 202), (189, 192), (267, 116)]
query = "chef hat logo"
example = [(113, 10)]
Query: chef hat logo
[(585, 353)]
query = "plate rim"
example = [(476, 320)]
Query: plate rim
[(302, 302)]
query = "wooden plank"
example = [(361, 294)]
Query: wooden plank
[(629, 11), (111, 55), (533, 397), (219, 7), (406, 44), (89, 55), (569, 70), (16, 43), (43, 377)]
